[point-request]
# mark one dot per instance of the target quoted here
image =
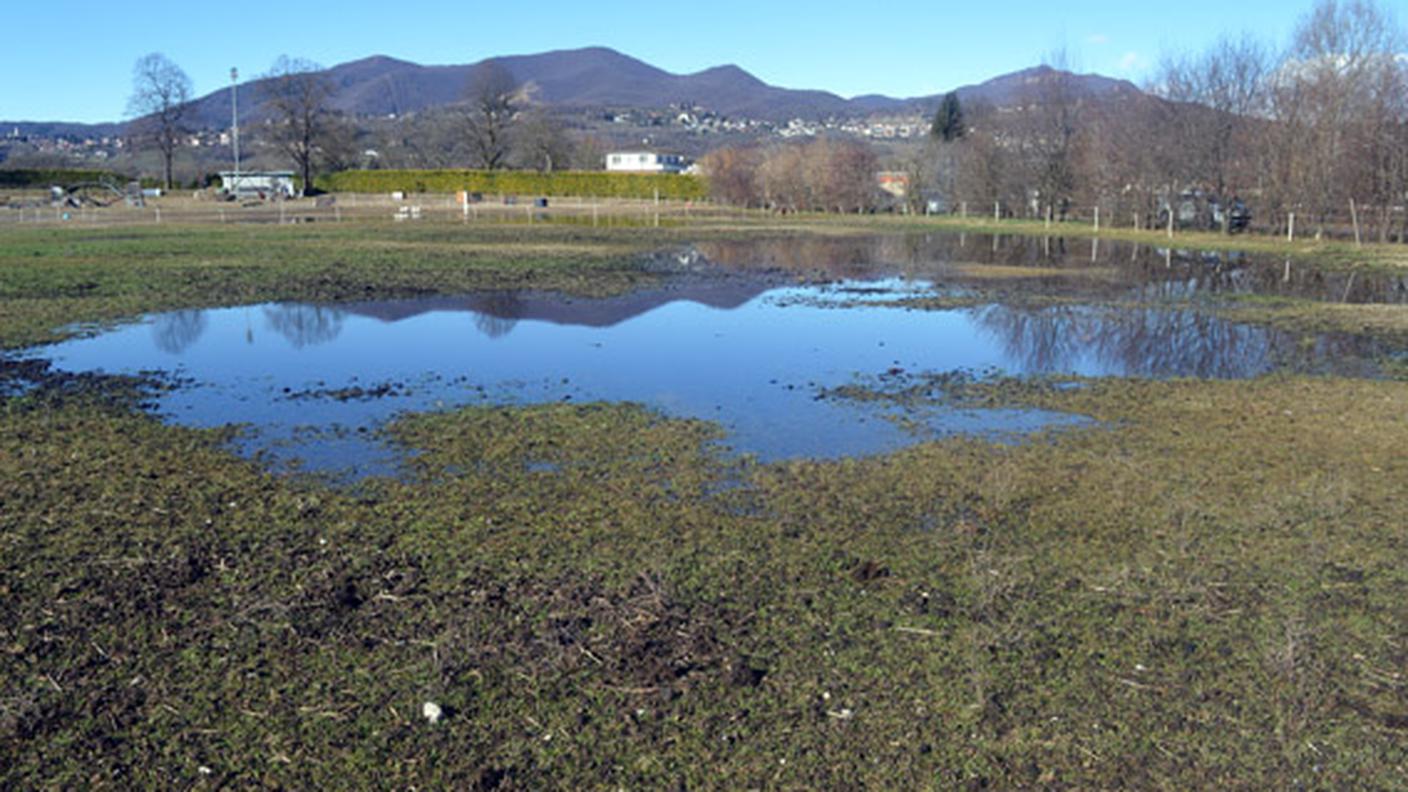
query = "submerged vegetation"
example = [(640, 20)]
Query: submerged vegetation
[(1205, 588)]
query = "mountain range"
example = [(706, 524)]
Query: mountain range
[(598, 77)]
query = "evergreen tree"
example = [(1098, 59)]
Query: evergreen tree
[(948, 122)]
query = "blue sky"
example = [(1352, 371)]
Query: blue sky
[(72, 60)]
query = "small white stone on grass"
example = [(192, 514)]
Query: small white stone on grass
[(432, 711)]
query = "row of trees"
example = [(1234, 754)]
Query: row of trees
[(1307, 130), (494, 127), (822, 175)]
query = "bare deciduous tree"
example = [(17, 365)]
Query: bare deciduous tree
[(1050, 124), (1342, 56), (823, 175), (492, 94), (732, 173), (848, 184), (1223, 91), (296, 93), (161, 95)]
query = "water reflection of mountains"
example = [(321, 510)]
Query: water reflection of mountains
[(500, 311), (727, 274)]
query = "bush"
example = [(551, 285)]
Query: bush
[(47, 177), (562, 184)]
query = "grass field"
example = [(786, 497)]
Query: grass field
[(1205, 590)]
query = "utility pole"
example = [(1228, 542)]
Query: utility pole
[(235, 123)]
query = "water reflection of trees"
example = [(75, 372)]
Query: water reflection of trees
[(497, 313), (1154, 343), (175, 332), (304, 325), (1127, 269)]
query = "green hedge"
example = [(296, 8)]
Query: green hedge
[(565, 183), (35, 178)]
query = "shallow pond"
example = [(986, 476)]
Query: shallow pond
[(749, 335)]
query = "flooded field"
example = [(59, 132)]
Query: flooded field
[(1025, 512), (755, 336)]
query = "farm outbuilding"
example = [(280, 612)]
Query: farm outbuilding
[(262, 183), (645, 162)]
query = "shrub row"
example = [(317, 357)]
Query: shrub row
[(33, 177), (566, 183)]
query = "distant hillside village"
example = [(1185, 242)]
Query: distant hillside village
[(692, 130)]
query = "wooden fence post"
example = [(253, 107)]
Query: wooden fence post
[(1291, 228)]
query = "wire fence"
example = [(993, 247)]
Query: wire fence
[(1362, 223), (416, 208), (1365, 223)]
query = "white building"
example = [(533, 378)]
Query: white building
[(262, 183), (645, 162)]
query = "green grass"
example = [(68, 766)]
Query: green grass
[(1310, 316), (51, 277), (1205, 590)]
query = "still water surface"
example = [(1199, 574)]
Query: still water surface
[(745, 335)]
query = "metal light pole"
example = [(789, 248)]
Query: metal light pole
[(235, 123)]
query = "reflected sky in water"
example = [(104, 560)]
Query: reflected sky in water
[(745, 351)]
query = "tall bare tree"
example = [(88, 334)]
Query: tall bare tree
[(492, 95), (1049, 122), (1341, 56), (296, 93), (1223, 91), (161, 95)]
